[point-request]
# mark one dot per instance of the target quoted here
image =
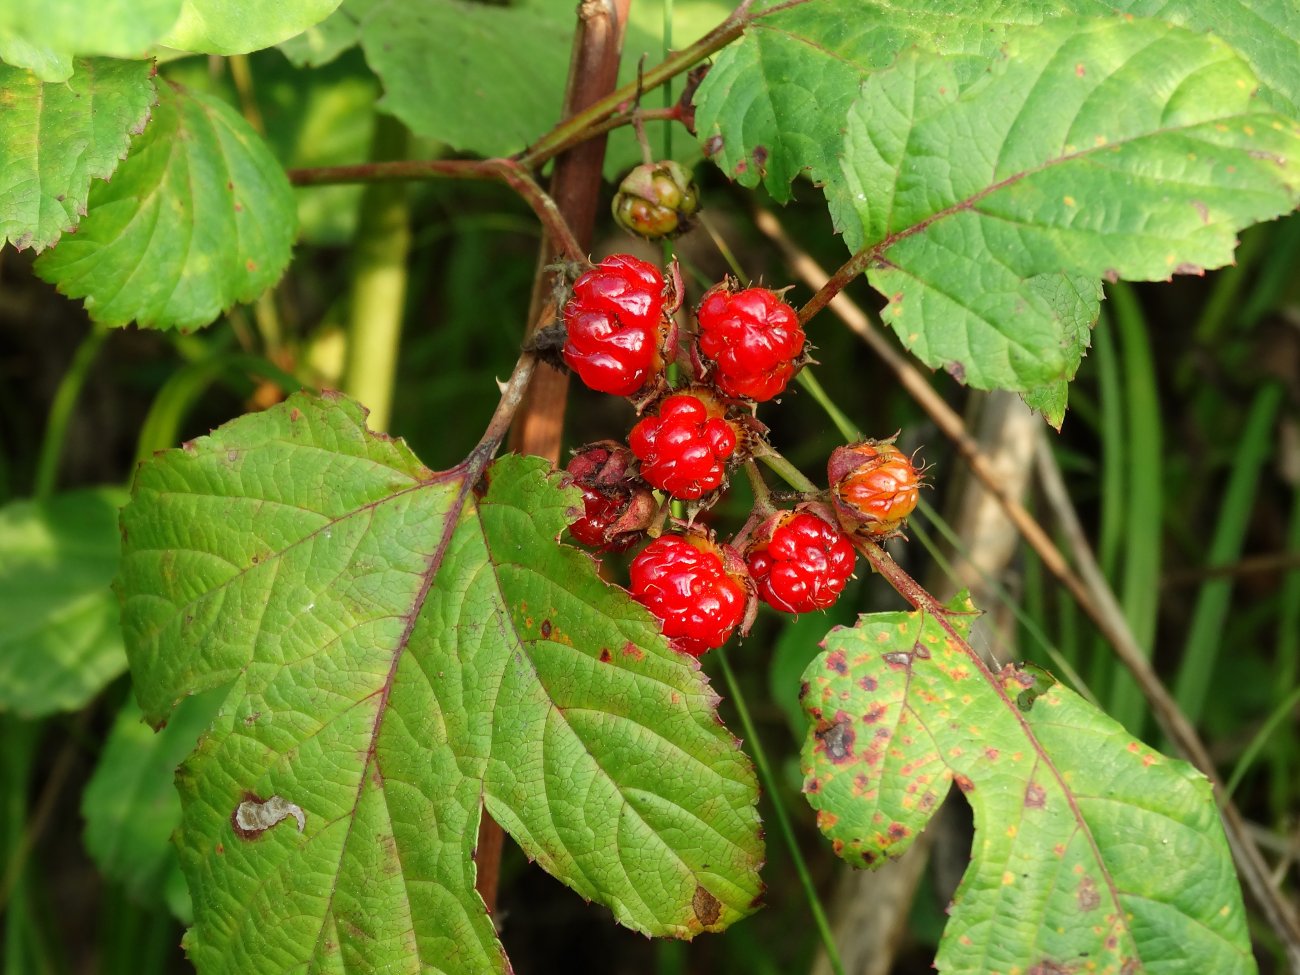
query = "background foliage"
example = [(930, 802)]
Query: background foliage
[(1147, 148)]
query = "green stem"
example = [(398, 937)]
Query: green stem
[(161, 427), (668, 85), (782, 819), (378, 300), (576, 128), (788, 472), (65, 402)]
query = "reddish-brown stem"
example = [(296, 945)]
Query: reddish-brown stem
[(506, 171), (837, 282), (570, 222)]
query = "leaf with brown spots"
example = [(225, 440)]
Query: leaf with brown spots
[(398, 652), (1092, 852)]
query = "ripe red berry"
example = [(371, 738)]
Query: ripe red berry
[(799, 562), (753, 340), (684, 446), (617, 337), (685, 583), (617, 506), (874, 487)]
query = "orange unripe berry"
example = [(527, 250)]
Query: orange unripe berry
[(874, 487)]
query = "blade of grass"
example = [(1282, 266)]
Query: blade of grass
[(1143, 500), (1110, 434), (1206, 634), (61, 410), (1261, 738), (773, 788), (1283, 779)]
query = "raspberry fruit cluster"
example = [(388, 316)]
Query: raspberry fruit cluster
[(619, 335)]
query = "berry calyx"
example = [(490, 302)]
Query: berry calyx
[(617, 337), (799, 562), (874, 487), (685, 445), (656, 200), (750, 341), (617, 505), (699, 591)]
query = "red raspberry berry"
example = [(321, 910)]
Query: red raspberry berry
[(686, 584), (685, 445), (874, 487), (753, 339), (617, 336), (617, 507), (799, 562)]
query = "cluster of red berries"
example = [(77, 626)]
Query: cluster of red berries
[(619, 336)]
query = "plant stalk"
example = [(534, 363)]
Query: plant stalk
[(381, 246), (61, 409), (568, 215)]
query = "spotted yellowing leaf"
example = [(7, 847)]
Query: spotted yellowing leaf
[(1091, 851), (403, 649)]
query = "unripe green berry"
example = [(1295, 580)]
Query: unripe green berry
[(656, 200)]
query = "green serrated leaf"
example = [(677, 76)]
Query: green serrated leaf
[(1091, 850), (240, 26), (56, 138), (112, 28), (1104, 148), (403, 653), (130, 804), (43, 61), (321, 43), (772, 108), (424, 50), (200, 216), (60, 644), (1265, 32)]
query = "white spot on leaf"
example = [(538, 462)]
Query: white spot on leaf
[(252, 816)]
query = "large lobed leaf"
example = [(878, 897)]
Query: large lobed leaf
[(1098, 148), (998, 160), (484, 79), (785, 87), (403, 651), (772, 107), (199, 216), (60, 644), (56, 138), (1091, 852)]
